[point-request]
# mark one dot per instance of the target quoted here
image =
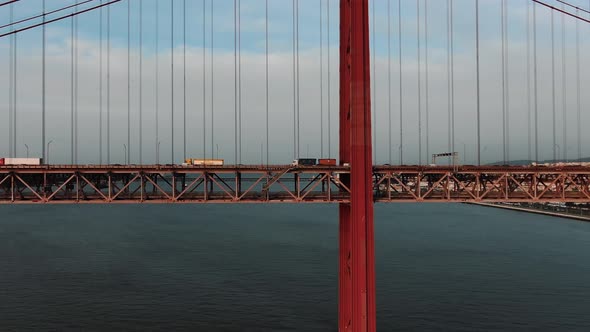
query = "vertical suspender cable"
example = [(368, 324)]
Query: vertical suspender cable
[(235, 82), (184, 79), (427, 82), (449, 75), (563, 88), (535, 82), (14, 98), (11, 85), (212, 88), (101, 97), (528, 75), (554, 129), (329, 84), (43, 104), (389, 77), (298, 87), (108, 85), (322, 77), (76, 89), (240, 80), (204, 80), (507, 76), (15, 92), (140, 82), (503, 25), (452, 82), (157, 83), (172, 81), (578, 91), (128, 149), (295, 156), (477, 83), (401, 112), (419, 83), (72, 90), (266, 74)]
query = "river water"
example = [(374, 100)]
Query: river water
[(274, 268)]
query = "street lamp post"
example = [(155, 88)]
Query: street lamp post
[(125, 149), (48, 143), (158, 153)]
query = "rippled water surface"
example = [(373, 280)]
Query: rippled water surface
[(274, 268)]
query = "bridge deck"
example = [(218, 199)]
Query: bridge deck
[(119, 184)]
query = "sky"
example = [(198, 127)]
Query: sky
[(154, 43)]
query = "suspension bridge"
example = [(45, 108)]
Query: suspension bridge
[(228, 75)]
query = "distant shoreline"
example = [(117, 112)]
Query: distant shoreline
[(533, 210)]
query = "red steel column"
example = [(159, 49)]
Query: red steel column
[(357, 252)]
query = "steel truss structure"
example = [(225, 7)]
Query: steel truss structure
[(286, 184)]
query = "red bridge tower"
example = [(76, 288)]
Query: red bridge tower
[(356, 308)]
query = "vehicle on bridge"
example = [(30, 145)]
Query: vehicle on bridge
[(21, 161), (313, 162), (203, 162)]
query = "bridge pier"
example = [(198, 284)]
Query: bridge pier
[(356, 307)]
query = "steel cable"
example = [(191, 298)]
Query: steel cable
[(172, 81), (419, 83), (554, 119), (401, 112), (140, 82)]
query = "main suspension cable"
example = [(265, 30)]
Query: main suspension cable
[(46, 13), (58, 18), (8, 3)]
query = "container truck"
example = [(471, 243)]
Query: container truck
[(204, 162), (21, 161)]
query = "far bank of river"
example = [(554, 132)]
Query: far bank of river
[(544, 209)]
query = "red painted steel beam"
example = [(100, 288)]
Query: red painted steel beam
[(357, 253), (344, 227)]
